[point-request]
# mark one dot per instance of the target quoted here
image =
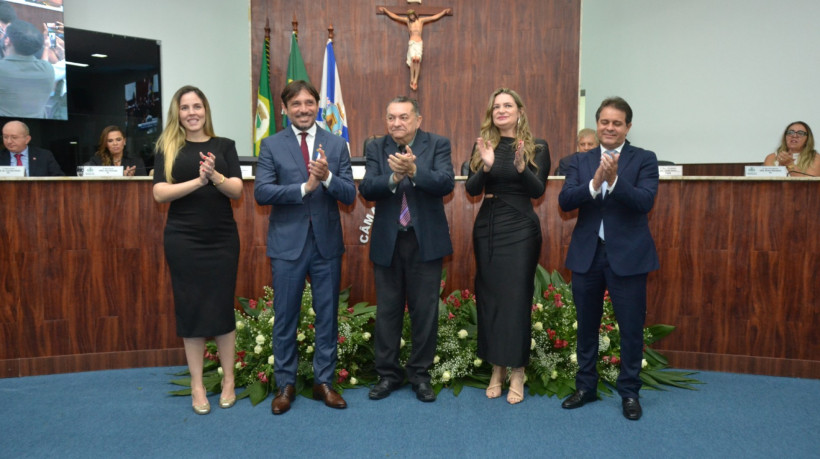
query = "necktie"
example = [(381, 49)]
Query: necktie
[(404, 215), (304, 146), (19, 157), (603, 194)]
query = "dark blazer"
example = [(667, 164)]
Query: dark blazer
[(280, 172), (434, 179), (127, 162), (563, 164), (629, 244), (41, 162)]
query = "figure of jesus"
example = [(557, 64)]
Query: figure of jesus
[(415, 46)]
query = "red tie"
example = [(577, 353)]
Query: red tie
[(305, 154), (19, 157)]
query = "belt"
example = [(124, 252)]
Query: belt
[(404, 229)]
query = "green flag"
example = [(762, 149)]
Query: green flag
[(296, 69), (265, 125)]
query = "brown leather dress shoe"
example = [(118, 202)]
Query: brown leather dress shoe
[(330, 396), (281, 403)]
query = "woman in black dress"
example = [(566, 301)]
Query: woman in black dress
[(511, 168), (198, 173), (111, 152)]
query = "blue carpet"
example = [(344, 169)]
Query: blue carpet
[(128, 413)]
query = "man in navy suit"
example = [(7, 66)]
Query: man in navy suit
[(304, 237), (37, 161), (407, 174), (613, 187)]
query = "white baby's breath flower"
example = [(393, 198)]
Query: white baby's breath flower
[(300, 337), (260, 339), (366, 336), (538, 326), (436, 359), (354, 381), (462, 334), (270, 360), (446, 376), (257, 349), (477, 362)]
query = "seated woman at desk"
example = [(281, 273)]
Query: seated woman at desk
[(111, 152), (796, 152)]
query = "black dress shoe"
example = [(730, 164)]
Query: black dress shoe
[(632, 408), (424, 392), (382, 389), (579, 399)]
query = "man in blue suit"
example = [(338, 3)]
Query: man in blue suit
[(613, 187), (304, 237), (407, 174)]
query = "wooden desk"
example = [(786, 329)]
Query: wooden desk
[(84, 285)]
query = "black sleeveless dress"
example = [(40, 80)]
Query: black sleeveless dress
[(202, 243), (507, 244)]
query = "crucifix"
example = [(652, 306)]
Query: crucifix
[(415, 19)]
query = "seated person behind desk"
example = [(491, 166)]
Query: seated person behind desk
[(111, 152), (796, 152), (587, 140), (37, 161)]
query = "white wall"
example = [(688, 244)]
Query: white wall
[(708, 81), (205, 43)]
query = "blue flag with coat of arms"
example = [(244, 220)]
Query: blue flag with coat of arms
[(332, 115)]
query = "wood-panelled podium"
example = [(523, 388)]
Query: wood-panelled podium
[(84, 285)]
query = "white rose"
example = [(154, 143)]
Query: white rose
[(354, 381), (270, 360), (271, 320), (260, 339), (300, 337), (532, 344), (575, 325), (401, 344), (606, 341), (477, 362), (462, 334), (240, 325), (573, 358), (644, 363), (554, 374), (446, 376), (311, 312), (617, 327), (366, 336), (538, 326), (436, 359), (309, 349), (539, 306), (238, 365), (257, 349), (220, 371)]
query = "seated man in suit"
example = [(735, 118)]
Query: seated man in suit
[(407, 174), (586, 141), (37, 161), (304, 173), (613, 187), (26, 81)]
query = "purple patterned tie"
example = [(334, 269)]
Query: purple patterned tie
[(404, 216)]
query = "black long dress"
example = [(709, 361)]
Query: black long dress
[(507, 244), (202, 243)]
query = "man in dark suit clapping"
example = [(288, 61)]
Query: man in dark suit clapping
[(407, 174), (613, 187), (37, 161)]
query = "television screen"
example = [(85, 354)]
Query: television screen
[(32, 59)]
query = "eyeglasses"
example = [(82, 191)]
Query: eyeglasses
[(797, 133)]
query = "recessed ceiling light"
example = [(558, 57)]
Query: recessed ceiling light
[(76, 64), (101, 56)]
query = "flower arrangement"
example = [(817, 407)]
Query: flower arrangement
[(551, 371)]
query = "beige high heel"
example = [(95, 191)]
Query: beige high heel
[(227, 402), (496, 381), (205, 408), (516, 393)]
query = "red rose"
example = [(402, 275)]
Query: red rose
[(451, 316), (342, 339), (350, 310), (252, 304), (262, 376)]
